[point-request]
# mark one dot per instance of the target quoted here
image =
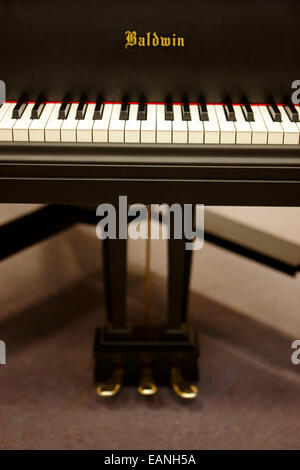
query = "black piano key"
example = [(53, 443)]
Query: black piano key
[(38, 108), (64, 108), (20, 107), (185, 109), (124, 113), (98, 112), (169, 115), (291, 111), (247, 110), (142, 110), (228, 109), (81, 108), (274, 111), (203, 113)]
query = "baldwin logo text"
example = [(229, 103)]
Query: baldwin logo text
[(152, 40)]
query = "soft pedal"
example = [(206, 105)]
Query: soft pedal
[(112, 386)]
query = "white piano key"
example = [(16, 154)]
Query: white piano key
[(211, 127), (227, 128), (290, 129), (37, 126), (21, 127), (53, 126), (180, 133), (242, 127), (101, 126), (148, 127), (84, 131), (275, 131), (116, 125), (297, 107), (195, 126), (163, 127), (4, 109), (259, 130), (7, 124), (133, 125), (69, 125)]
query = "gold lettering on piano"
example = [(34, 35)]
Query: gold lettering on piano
[(130, 38), (165, 42), (152, 40)]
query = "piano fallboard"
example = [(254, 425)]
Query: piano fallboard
[(96, 173), (230, 48)]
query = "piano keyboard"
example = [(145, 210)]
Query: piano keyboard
[(180, 123)]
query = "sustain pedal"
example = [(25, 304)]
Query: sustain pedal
[(112, 386), (182, 387)]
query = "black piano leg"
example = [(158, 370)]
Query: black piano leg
[(109, 369), (179, 264), (184, 370), (115, 282)]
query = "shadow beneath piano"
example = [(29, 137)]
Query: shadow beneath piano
[(246, 379), (85, 299), (217, 321), (51, 315)]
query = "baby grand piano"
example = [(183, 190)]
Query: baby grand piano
[(160, 101)]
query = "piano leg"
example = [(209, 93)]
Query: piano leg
[(109, 373), (115, 260), (179, 264), (178, 285), (179, 268)]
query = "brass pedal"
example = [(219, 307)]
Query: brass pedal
[(182, 387), (112, 386), (147, 386)]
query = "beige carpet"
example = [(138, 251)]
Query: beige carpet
[(247, 316)]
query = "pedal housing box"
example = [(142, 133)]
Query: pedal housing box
[(149, 345)]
